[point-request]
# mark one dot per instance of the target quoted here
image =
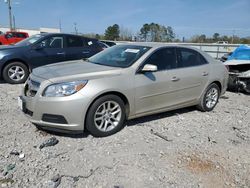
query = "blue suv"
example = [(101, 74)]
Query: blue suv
[(17, 61)]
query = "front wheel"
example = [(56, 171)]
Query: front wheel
[(106, 116), (210, 98), (15, 73)]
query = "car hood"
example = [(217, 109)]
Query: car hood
[(72, 70), (237, 62), (8, 47)]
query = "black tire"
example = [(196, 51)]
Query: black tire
[(22, 67), (90, 118), (203, 104)]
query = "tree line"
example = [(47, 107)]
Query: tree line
[(154, 32), (217, 37)]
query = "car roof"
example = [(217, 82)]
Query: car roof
[(65, 34), (158, 44)]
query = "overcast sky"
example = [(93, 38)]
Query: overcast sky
[(187, 17)]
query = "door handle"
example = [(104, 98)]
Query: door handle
[(175, 79), (85, 52), (60, 53), (205, 74)]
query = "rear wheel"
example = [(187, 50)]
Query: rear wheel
[(15, 73), (106, 116), (210, 98)]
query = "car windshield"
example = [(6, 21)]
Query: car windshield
[(29, 40), (119, 56)]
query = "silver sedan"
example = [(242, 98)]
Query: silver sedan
[(123, 82)]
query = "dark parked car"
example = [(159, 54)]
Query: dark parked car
[(109, 43), (17, 61)]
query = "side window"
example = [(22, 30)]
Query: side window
[(189, 58), (9, 35), (20, 35), (52, 42), (164, 59), (74, 41)]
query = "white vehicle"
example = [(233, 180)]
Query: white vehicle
[(222, 42)]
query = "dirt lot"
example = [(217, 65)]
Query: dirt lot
[(183, 148)]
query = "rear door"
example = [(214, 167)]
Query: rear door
[(190, 76), (92, 46), (78, 48)]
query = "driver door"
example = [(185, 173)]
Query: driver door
[(50, 50), (153, 89)]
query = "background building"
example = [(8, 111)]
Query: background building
[(32, 31)]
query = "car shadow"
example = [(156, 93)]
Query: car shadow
[(44, 132), (134, 122), (2, 82), (150, 118)]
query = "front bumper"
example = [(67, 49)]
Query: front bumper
[(61, 114)]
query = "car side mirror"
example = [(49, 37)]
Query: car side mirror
[(149, 68)]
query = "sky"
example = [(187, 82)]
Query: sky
[(186, 17)]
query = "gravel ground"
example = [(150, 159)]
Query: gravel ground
[(182, 148)]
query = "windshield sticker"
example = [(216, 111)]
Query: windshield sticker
[(90, 43), (132, 51)]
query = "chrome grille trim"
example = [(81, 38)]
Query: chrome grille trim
[(31, 88)]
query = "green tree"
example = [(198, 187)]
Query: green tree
[(156, 33), (202, 38), (112, 32), (145, 31), (216, 36)]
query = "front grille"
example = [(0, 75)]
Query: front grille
[(31, 88)]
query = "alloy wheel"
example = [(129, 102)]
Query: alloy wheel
[(212, 97), (108, 116), (16, 73)]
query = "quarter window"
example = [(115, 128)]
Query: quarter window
[(164, 59)]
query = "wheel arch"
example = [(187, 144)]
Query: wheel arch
[(119, 94), (14, 60), (218, 84)]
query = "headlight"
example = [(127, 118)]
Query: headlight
[(64, 89)]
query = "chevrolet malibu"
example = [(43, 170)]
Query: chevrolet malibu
[(123, 82)]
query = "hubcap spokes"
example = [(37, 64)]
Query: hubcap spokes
[(107, 116), (212, 97), (16, 73)]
